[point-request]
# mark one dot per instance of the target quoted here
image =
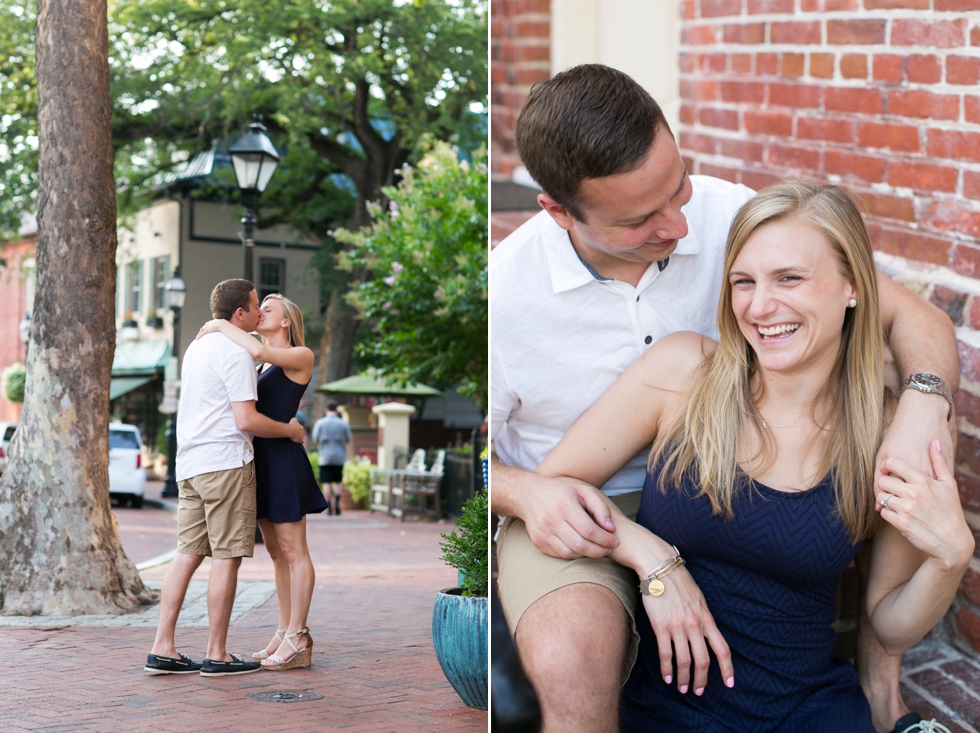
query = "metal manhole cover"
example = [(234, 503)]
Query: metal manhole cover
[(285, 696)]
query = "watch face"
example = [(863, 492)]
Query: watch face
[(928, 380)]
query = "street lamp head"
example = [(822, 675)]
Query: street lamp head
[(24, 328), (175, 291), (255, 159)]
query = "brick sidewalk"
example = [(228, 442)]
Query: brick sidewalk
[(373, 660)]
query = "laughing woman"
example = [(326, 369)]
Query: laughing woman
[(286, 489), (761, 481)]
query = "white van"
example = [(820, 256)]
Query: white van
[(6, 433), (127, 474)]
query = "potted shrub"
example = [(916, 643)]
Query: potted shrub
[(129, 321), (459, 620), (154, 320)]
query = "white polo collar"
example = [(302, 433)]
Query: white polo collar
[(569, 271)]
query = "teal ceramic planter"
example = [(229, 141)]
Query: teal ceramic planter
[(459, 634)]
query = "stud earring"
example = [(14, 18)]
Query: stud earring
[(852, 303)]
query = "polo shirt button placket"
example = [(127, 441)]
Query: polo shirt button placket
[(648, 340)]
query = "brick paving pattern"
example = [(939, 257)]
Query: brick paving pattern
[(373, 660), (940, 681)]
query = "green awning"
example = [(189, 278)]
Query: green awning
[(140, 358), (121, 385), (363, 384)]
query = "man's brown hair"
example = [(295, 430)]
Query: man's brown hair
[(589, 121), (228, 296)]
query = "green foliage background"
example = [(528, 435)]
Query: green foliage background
[(350, 90)]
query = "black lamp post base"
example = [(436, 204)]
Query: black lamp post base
[(170, 488)]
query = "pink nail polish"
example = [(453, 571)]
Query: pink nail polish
[(668, 679), (683, 689), (730, 682), (699, 691)]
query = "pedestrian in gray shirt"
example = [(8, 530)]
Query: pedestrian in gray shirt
[(332, 435)]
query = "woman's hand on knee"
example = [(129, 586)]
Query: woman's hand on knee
[(682, 623)]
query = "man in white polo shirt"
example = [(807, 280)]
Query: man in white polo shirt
[(629, 248), (216, 480)]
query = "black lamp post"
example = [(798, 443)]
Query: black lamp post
[(174, 293), (255, 159)]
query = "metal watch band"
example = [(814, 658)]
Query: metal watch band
[(930, 384)]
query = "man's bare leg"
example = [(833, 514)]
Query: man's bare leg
[(221, 598), (572, 643), (175, 583), (878, 671)]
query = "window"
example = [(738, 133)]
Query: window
[(29, 269), (161, 273), (272, 277), (123, 439), (134, 287)]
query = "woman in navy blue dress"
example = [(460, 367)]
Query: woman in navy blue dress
[(761, 479), (286, 489)]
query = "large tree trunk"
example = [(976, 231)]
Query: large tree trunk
[(369, 174), (58, 538), (337, 346)]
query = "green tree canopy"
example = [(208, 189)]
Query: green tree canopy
[(348, 86), (351, 83)]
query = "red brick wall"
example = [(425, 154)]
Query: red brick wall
[(12, 297), (882, 96), (520, 54)]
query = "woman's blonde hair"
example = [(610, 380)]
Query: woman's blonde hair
[(293, 314), (702, 442)]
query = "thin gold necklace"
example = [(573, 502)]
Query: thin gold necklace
[(793, 425)]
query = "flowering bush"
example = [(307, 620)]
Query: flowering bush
[(426, 299)]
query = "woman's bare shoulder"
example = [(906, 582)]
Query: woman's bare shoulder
[(670, 361)]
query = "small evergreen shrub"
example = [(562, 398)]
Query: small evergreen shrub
[(469, 551)]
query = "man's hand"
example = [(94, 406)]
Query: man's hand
[(919, 419), (567, 518), (297, 434)]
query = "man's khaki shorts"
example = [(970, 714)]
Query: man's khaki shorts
[(525, 574), (216, 513)]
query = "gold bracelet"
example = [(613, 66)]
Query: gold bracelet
[(651, 585)]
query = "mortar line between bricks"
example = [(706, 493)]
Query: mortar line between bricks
[(939, 705), (936, 666)]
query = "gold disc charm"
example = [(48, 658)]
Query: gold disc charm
[(656, 588)]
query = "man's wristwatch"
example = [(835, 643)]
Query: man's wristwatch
[(926, 382)]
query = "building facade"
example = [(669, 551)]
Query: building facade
[(201, 237)]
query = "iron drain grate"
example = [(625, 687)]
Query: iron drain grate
[(285, 696)]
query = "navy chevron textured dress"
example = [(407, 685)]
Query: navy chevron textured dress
[(769, 578), (285, 487)]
